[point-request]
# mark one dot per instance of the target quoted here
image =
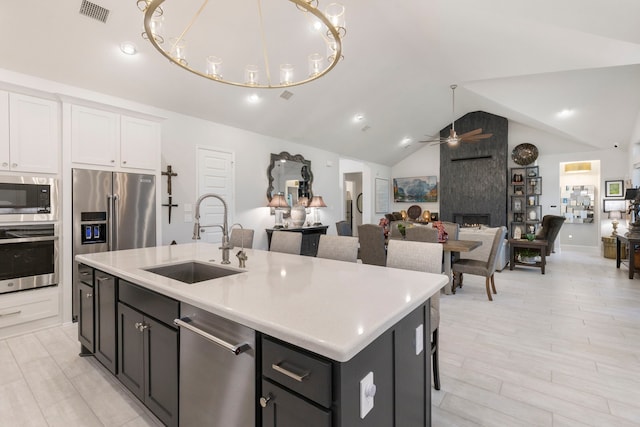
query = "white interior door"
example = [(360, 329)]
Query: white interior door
[(215, 175)]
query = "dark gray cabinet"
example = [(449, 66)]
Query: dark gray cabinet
[(303, 388), (148, 349), (86, 334), (105, 299)]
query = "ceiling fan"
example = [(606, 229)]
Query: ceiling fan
[(453, 138)]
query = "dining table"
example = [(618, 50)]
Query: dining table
[(455, 246)]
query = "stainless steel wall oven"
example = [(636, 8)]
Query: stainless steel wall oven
[(28, 256)]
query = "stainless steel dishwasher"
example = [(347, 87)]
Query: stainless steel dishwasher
[(217, 370)]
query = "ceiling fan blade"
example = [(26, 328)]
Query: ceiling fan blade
[(478, 137), (471, 133)]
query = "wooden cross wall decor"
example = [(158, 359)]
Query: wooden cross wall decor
[(169, 173)]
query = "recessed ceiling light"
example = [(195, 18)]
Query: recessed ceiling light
[(254, 98), (405, 142), (128, 48), (565, 113), (358, 117)]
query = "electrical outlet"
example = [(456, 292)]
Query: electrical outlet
[(367, 393)]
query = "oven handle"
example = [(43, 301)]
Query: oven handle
[(28, 239)]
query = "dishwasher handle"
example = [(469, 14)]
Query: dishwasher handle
[(185, 322)]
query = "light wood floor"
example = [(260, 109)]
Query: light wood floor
[(558, 350)]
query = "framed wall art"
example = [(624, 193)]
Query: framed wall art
[(416, 189), (382, 195), (614, 188)]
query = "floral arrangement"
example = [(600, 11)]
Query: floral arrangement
[(442, 232), (384, 223)]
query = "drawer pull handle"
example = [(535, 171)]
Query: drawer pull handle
[(290, 374), (264, 401), (102, 279), (11, 313), (85, 273), (89, 296)]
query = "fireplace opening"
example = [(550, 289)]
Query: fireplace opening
[(466, 220)]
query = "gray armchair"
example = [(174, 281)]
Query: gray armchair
[(551, 225)]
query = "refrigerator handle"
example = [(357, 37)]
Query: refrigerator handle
[(110, 244), (114, 222)]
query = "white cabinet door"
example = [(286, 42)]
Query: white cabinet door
[(140, 143), (4, 131), (95, 136), (33, 134)]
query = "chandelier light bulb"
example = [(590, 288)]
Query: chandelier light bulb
[(315, 64), (335, 13), (157, 28), (286, 74), (214, 67), (251, 75), (179, 50)]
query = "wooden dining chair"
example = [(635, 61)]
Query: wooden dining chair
[(340, 248), (425, 257)]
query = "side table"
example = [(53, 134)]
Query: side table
[(631, 244), (541, 245)]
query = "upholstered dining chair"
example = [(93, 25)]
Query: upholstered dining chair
[(241, 238), (340, 248), (452, 229), (372, 247), (422, 234), (426, 257), (343, 228), (481, 268), (286, 242)]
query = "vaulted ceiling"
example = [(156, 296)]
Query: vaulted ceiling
[(525, 61)]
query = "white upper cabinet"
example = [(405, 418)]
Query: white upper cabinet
[(29, 135), (105, 138), (140, 142), (95, 136)]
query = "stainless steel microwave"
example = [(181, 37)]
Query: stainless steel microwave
[(28, 198)]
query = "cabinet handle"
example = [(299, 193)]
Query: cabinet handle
[(14, 165), (85, 273), (113, 161), (138, 326), (11, 313), (288, 373), (89, 295), (124, 162), (264, 401), (5, 164), (102, 279)]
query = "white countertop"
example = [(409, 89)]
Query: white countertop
[(332, 308)]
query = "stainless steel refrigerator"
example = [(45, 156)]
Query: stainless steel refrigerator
[(111, 211)]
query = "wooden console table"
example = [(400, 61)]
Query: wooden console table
[(631, 244), (310, 237), (528, 244)]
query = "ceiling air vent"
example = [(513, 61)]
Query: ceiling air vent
[(286, 95), (94, 11)]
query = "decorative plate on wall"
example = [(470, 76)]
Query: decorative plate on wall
[(524, 154), (414, 211)]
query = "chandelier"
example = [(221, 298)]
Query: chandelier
[(206, 37)]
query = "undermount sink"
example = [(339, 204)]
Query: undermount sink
[(192, 272)]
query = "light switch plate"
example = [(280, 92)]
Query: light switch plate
[(367, 392), (187, 217), (188, 207), (419, 339)]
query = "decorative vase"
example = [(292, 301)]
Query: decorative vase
[(298, 215)]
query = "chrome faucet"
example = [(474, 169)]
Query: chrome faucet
[(225, 228)]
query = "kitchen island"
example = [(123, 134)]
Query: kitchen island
[(351, 318)]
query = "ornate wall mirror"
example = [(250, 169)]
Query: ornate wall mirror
[(291, 176)]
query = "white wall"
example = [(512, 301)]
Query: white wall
[(182, 134), (370, 171), (424, 162)]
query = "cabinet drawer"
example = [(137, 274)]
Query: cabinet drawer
[(85, 273), (288, 410), (163, 308), (283, 364), (27, 306)]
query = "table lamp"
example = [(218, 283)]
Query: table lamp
[(316, 202), (278, 202), (614, 216)]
